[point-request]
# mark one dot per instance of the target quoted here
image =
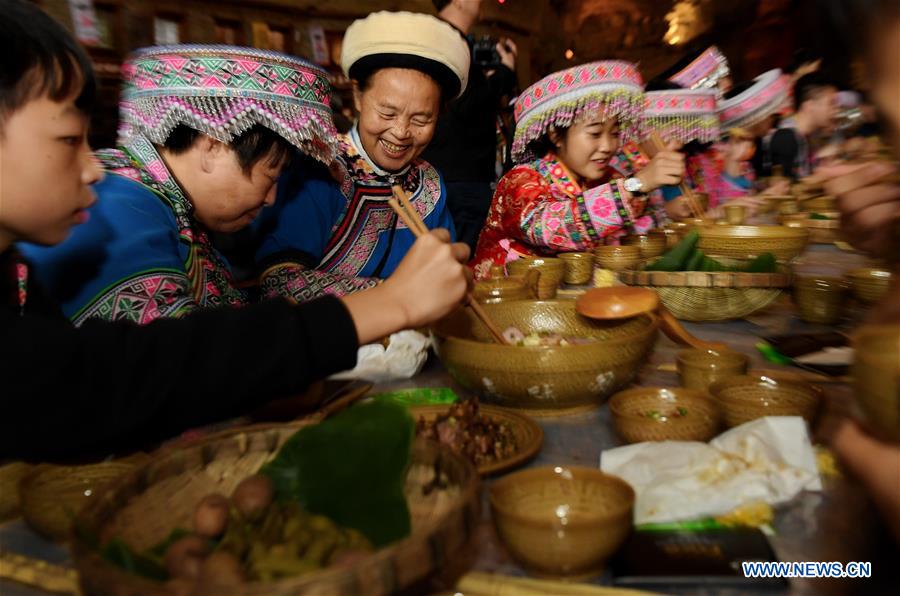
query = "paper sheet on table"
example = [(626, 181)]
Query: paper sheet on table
[(770, 459), (404, 357)]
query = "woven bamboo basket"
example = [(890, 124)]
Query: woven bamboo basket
[(10, 476), (711, 296), (145, 505), (51, 496)]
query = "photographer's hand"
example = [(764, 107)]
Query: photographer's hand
[(508, 51)]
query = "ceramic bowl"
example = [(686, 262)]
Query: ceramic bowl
[(735, 214), (747, 242), (876, 374), (617, 258), (579, 267), (552, 272), (651, 244), (819, 204), (544, 380), (498, 287), (773, 202), (869, 285), (562, 521), (749, 397), (820, 300), (663, 414), (698, 369)]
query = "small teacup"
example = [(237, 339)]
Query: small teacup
[(735, 214), (617, 258), (820, 300), (552, 272), (698, 369), (579, 267)]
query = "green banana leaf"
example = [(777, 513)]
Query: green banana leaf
[(351, 468)]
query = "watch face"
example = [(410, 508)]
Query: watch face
[(632, 184)]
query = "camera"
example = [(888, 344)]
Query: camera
[(484, 52)]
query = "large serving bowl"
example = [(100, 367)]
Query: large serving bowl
[(562, 521), (145, 505), (876, 374), (747, 242), (543, 380)]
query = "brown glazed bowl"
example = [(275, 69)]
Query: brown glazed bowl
[(869, 285), (548, 380), (579, 267), (562, 521), (749, 397), (617, 258), (820, 300), (651, 244), (663, 414), (698, 369), (747, 242), (552, 272), (876, 375)]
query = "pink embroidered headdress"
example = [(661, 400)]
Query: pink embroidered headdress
[(611, 87), (684, 115), (222, 91)]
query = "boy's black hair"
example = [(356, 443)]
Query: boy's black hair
[(39, 57), (809, 85), (439, 5), (255, 144)]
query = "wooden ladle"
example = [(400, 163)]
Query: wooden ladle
[(622, 302)]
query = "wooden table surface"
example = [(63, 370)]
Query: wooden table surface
[(838, 524)]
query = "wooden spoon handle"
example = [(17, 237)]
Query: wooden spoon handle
[(486, 319), (677, 333)]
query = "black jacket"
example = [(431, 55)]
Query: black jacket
[(66, 390), (465, 141)]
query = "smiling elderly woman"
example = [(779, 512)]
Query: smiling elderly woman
[(326, 238)]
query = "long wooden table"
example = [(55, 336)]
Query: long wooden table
[(838, 524)]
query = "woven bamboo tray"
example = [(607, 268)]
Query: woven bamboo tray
[(711, 296), (145, 505)]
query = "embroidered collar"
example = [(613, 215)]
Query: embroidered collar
[(139, 160), (356, 142), (558, 175)]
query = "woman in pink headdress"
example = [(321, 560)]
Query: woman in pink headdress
[(564, 195)]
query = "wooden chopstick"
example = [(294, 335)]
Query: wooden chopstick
[(686, 191), (407, 213)]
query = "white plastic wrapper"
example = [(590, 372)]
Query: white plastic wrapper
[(404, 357), (769, 460)]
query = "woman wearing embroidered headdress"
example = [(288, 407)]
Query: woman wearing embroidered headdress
[(688, 121), (565, 196), (206, 132), (322, 238), (746, 114)]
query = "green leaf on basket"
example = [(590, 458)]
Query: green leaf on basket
[(352, 469), (420, 396)]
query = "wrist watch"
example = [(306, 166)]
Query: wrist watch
[(634, 185)]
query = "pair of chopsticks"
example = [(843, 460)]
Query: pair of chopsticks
[(407, 213), (686, 191)]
